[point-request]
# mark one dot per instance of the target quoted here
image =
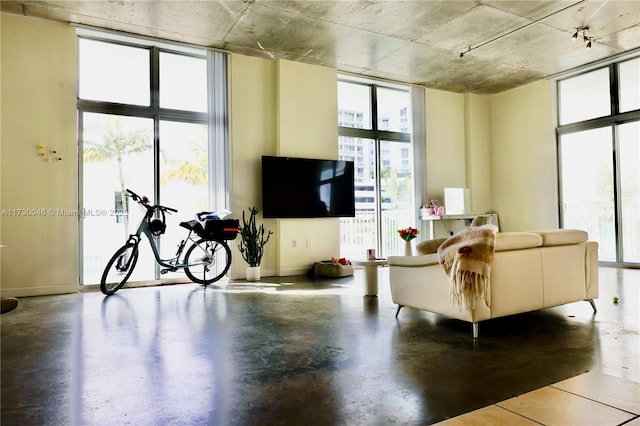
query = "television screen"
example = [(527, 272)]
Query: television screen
[(306, 188)]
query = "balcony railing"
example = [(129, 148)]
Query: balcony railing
[(358, 234), (598, 221)]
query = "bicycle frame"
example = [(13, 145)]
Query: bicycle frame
[(173, 262)]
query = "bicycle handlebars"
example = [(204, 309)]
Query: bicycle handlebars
[(145, 202)]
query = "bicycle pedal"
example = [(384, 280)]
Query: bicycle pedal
[(164, 271)]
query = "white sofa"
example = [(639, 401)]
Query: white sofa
[(530, 271)]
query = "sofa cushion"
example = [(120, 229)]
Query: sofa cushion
[(429, 246), (561, 237), (417, 261), (481, 220), (517, 241)]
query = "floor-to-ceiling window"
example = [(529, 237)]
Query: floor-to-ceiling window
[(599, 153), (144, 125), (374, 123)]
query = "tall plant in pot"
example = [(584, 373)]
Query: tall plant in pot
[(252, 242)]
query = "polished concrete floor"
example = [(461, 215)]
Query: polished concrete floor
[(293, 351)]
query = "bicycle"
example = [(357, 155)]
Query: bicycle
[(206, 261)]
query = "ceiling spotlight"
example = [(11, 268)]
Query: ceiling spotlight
[(583, 31), (579, 30)]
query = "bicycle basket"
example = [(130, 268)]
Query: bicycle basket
[(219, 229)]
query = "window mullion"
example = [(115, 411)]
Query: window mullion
[(595, 123), (154, 80), (613, 89), (374, 108), (154, 83), (369, 134), (377, 168), (617, 193)]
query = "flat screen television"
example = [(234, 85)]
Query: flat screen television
[(307, 188)]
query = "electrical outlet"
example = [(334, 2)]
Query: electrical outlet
[(294, 243), (308, 242)]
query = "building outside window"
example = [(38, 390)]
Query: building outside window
[(374, 132), (599, 158)]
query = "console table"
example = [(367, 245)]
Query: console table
[(455, 217)]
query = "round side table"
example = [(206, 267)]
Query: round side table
[(370, 274)]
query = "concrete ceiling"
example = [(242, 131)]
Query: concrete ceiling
[(416, 42)]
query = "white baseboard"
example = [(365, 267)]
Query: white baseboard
[(293, 271), (38, 291), (274, 273)]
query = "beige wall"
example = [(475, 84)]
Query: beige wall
[(38, 108), (478, 152), (253, 134), (272, 114), (445, 133), (524, 158), (458, 150), (501, 146), (307, 127)]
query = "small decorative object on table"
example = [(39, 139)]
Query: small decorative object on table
[(408, 234), (371, 254), (436, 208)]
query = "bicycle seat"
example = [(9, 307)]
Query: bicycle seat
[(192, 225)]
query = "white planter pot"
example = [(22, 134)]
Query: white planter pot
[(253, 273)]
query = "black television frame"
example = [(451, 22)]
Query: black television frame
[(294, 188)]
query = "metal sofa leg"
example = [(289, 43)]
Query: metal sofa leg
[(475, 330), (398, 311), (593, 305)]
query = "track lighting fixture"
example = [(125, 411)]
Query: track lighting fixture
[(585, 37), (575, 35)]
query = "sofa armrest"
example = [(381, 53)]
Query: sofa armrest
[(413, 261)]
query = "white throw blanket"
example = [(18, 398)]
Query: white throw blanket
[(467, 258)]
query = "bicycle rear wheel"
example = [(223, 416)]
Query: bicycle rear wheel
[(207, 261), (119, 268)]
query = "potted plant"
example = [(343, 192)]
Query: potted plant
[(252, 242)]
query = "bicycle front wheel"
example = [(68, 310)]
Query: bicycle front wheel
[(119, 268), (207, 261)]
